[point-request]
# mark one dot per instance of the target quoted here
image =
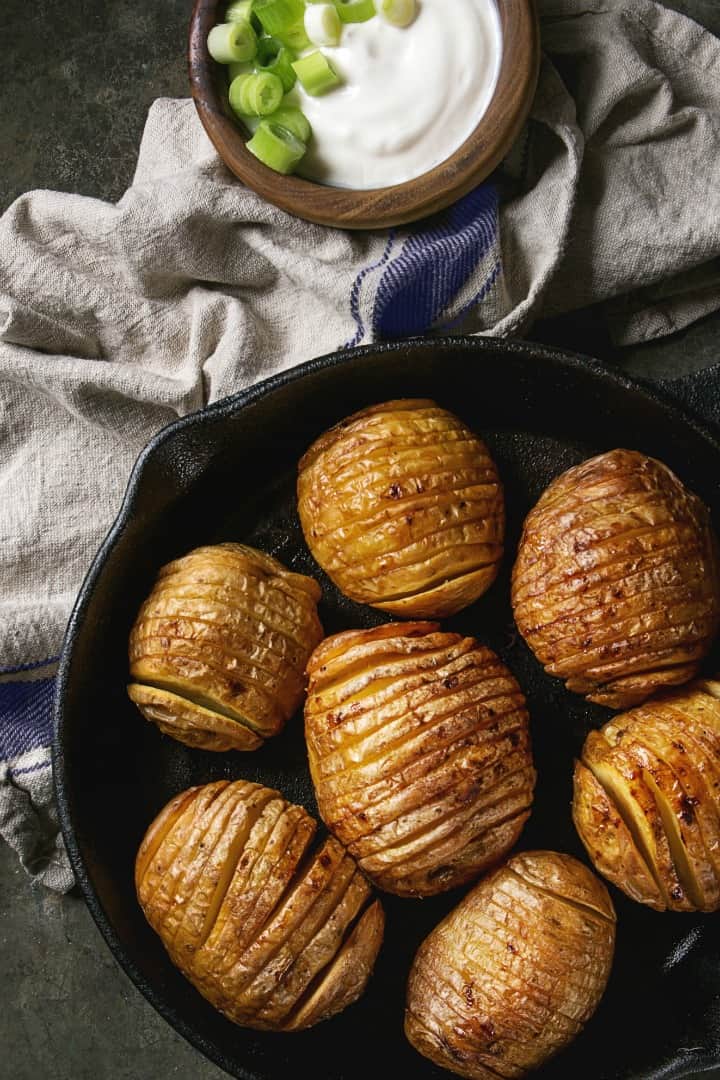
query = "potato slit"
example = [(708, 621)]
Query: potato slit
[(232, 645), (218, 812), (407, 739), (171, 657), (623, 804), (442, 579), (586, 909), (158, 833), (552, 580), (420, 694), (300, 920), (676, 845), (339, 900), (616, 632), (397, 869), (228, 595), (350, 672), (444, 765), (662, 601), (488, 801), (481, 498), (233, 858), (201, 700), (326, 971)]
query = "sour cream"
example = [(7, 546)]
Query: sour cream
[(410, 97)]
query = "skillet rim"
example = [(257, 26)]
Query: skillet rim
[(226, 407)]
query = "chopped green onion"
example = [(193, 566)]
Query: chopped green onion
[(239, 11), (322, 24), (397, 12), (315, 73), (283, 19), (292, 119), (239, 67), (255, 95), (276, 146), (355, 10), (277, 59), (229, 42)]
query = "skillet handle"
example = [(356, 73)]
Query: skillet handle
[(698, 393)]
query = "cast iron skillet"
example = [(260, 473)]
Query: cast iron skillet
[(228, 474)]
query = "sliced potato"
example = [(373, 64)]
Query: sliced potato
[(647, 801), (275, 935), (218, 650), (513, 973), (616, 586), (402, 507), (420, 755)]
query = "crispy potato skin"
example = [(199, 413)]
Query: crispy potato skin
[(218, 650), (420, 754), (647, 800), (402, 506), (615, 588), (514, 972), (275, 933)]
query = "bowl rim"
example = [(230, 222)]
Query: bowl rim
[(531, 352), (384, 207)]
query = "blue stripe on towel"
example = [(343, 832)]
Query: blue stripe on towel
[(357, 287), (25, 716), (435, 264)]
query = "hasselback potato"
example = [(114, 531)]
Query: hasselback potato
[(615, 588), (419, 752), (275, 933), (218, 650), (515, 970), (647, 800), (402, 506)]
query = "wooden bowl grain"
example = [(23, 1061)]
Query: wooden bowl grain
[(383, 207)]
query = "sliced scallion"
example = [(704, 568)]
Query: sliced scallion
[(239, 11), (293, 119), (231, 42), (397, 12), (355, 10), (239, 67), (258, 94), (322, 24), (277, 59), (316, 73), (283, 19), (276, 146)]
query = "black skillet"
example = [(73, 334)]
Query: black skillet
[(228, 473)]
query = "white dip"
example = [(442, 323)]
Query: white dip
[(410, 97)]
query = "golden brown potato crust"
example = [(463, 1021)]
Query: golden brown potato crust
[(276, 934), (615, 588), (218, 650), (514, 972), (647, 800), (420, 754), (402, 507)]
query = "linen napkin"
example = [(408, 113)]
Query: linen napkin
[(117, 318)]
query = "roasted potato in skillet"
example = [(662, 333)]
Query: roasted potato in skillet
[(218, 650), (276, 934), (615, 588), (515, 970), (402, 506), (647, 800), (419, 752)]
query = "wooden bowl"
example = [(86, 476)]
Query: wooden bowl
[(397, 205)]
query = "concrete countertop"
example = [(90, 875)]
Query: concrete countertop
[(80, 75)]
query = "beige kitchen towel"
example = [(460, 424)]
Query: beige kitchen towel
[(117, 318)]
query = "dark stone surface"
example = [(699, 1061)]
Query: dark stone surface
[(76, 80)]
